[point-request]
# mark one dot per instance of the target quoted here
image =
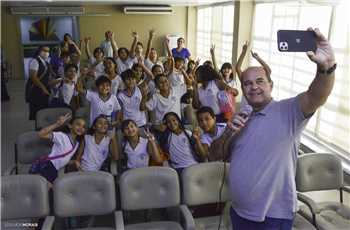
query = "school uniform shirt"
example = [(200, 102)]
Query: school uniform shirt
[(61, 145), (180, 150), (138, 157), (149, 64), (99, 68), (208, 96), (131, 106), (176, 78), (67, 92), (206, 138), (117, 84), (124, 65), (99, 106), (163, 105), (107, 48), (94, 154)]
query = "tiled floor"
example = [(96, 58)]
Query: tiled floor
[(14, 121)]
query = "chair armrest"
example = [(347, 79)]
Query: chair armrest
[(119, 221), (346, 188), (187, 218), (309, 202), (114, 168), (48, 223), (9, 170)]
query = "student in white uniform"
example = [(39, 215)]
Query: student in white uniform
[(64, 147), (111, 72), (95, 60), (124, 58), (151, 56), (97, 145), (212, 131), (164, 101), (207, 93), (132, 99), (137, 149), (64, 90), (179, 143), (102, 102)]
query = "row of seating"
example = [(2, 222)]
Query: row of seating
[(93, 193)]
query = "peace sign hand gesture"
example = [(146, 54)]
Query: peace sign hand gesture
[(62, 119)]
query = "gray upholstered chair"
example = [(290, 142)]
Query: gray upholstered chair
[(45, 117), (316, 172), (84, 194), (28, 148), (205, 184), (25, 198), (300, 223), (153, 188)]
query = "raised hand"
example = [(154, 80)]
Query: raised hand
[(140, 60), (245, 46), (196, 133), (134, 34), (324, 54), (149, 135), (212, 49), (254, 55), (62, 119), (152, 33)]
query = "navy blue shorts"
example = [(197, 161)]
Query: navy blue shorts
[(239, 223), (49, 172)]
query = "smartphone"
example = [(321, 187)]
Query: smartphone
[(296, 40)]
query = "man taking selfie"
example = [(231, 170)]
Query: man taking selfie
[(264, 154)]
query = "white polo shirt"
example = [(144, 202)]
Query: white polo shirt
[(131, 106), (163, 105), (61, 145), (124, 65), (94, 154), (180, 150), (206, 138), (208, 96), (99, 106), (99, 68), (138, 157)]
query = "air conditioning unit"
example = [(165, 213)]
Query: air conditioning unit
[(147, 10), (38, 10)]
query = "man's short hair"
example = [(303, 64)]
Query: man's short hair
[(127, 74)]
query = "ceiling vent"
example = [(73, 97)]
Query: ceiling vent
[(147, 10)]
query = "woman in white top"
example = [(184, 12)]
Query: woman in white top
[(64, 146), (137, 149), (97, 145)]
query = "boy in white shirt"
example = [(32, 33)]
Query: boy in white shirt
[(102, 102), (164, 101)]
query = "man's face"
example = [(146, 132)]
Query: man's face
[(256, 87)]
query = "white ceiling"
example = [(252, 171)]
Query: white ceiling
[(114, 2)]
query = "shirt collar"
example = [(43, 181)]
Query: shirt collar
[(265, 111)]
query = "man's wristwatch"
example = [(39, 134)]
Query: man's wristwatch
[(327, 71)]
